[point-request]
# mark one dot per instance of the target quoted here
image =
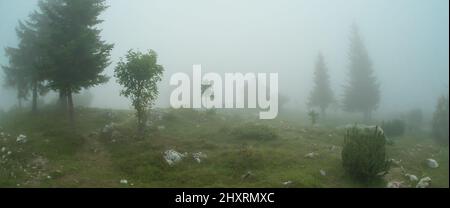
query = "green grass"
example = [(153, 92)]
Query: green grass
[(58, 156)]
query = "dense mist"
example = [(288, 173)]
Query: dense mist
[(407, 42)]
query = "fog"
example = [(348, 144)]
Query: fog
[(407, 41)]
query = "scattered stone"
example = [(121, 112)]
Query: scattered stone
[(323, 173), (395, 162), (424, 182), (3, 149), (124, 181), (247, 175), (21, 139), (411, 177), (287, 183), (108, 128), (431, 163), (394, 184), (311, 155), (161, 128), (199, 156), (172, 156)]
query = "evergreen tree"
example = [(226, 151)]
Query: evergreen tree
[(76, 54), (26, 64), (362, 92), (322, 95)]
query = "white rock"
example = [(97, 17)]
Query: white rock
[(21, 139), (3, 149), (395, 162), (199, 156), (108, 127), (311, 155), (411, 177), (394, 184), (323, 173), (124, 181), (172, 156), (424, 182), (161, 128), (432, 163), (286, 183)]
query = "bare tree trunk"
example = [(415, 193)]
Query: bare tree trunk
[(70, 107), (35, 97), (63, 99)]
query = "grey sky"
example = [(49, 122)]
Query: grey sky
[(407, 41)]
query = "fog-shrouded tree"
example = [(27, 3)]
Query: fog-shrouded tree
[(139, 74), (25, 71), (440, 121), (362, 92), (322, 95), (71, 41)]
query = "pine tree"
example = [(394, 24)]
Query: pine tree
[(76, 54), (26, 64), (362, 92), (322, 95)]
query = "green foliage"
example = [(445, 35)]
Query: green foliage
[(362, 93), (394, 128), (139, 75), (364, 154), (440, 121), (251, 131), (322, 95)]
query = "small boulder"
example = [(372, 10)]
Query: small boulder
[(411, 177), (431, 163), (287, 183), (199, 156), (172, 157), (21, 139), (424, 182), (394, 184), (247, 175), (323, 173), (311, 155), (124, 181)]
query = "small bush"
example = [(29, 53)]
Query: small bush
[(394, 128), (254, 132), (364, 154)]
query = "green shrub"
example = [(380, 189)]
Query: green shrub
[(254, 132), (440, 121), (364, 154), (394, 128)]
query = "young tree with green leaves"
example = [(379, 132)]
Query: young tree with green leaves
[(362, 93), (322, 95), (139, 74)]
